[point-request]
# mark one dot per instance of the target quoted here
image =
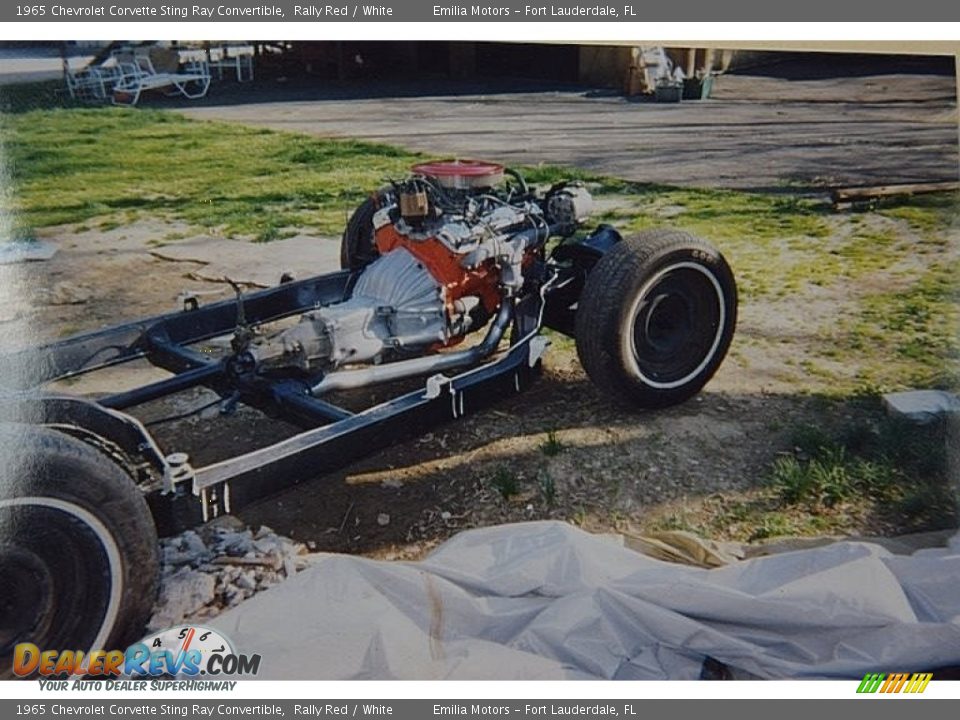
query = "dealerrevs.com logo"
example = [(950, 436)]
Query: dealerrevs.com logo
[(183, 652)]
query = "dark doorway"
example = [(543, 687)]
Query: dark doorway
[(559, 63)]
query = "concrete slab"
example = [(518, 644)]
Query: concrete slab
[(26, 251), (259, 264), (921, 406)]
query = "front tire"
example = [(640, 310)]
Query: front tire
[(78, 547), (656, 318)]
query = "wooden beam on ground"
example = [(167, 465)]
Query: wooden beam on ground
[(856, 194)]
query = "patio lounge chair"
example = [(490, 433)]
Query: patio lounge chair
[(90, 84), (137, 73), (236, 58)]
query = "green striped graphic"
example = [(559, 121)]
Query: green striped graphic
[(871, 682)]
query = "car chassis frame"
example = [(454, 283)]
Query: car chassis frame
[(180, 496)]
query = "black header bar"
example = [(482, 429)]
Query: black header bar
[(534, 11)]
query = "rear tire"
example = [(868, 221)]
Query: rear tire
[(656, 318), (78, 547), (357, 246)]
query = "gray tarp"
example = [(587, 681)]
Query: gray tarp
[(545, 600)]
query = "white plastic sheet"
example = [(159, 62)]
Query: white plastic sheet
[(545, 600)]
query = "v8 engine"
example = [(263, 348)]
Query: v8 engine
[(439, 253)]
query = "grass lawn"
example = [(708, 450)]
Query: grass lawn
[(893, 270), (115, 164)]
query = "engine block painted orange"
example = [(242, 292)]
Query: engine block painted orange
[(444, 265)]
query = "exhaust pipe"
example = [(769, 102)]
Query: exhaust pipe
[(349, 379)]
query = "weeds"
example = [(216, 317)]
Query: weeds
[(548, 487), (552, 445), (832, 477), (898, 468), (879, 473), (506, 483), (773, 525)]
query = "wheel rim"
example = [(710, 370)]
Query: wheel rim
[(68, 572), (676, 325), (28, 595)]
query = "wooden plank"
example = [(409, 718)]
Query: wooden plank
[(852, 194)]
